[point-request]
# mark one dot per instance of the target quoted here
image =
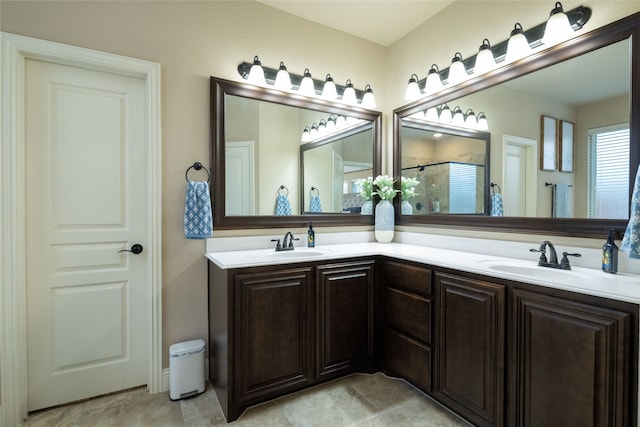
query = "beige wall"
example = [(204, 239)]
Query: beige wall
[(193, 40)]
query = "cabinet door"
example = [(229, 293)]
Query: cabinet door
[(469, 348), (345, 317), (273, 327), (570, 362)]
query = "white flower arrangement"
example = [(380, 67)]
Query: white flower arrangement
[(408, 187), (384, 187), (366, 187)]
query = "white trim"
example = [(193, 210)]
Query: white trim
[(13, 351), (531, 147)]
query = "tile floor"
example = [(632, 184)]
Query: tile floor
[(356, 400)]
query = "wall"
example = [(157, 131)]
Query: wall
[(194, 40)]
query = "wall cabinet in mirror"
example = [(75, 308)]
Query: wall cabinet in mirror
[(591, 82), (261, 160)]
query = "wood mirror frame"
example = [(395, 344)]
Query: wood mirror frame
[(219, 89), (626, 28)]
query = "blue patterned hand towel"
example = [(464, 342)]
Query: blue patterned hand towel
[(282, 205), (631, 239), (314, 204), (198, 222), (496, 205)]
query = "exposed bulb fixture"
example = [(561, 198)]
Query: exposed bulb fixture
[(256, 74), (349, 94), (313, 133), (457, 72), (341, 122), (482, 122), (368, 100), (329, 90), (558, 27), (306, 85), (322, 127), (413, 90), (484, 59), (283, 80), (518, 46), (434, 82)]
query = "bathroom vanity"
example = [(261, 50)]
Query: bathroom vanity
[(495, 347)]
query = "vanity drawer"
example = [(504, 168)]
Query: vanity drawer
[(408, 313), (407, 358), (408, 277)]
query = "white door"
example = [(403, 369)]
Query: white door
[(519, 179), (239, 178), (337, 182), (86, 171)]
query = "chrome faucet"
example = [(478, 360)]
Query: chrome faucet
[(552, 262), (285, 246)]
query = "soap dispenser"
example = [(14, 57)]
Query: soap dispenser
[(311, 236), (610, 255)]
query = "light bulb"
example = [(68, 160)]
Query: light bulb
[(484, 59), (558, 28), (413, 90), (368, 100), (517, 46), (256, 73), (445, 114), (349, 94), (457, 72), (431, 114), (306, 85), (329, 90), (283, 80), (470, 120), (482, 122), (458, 117), (434, 82)]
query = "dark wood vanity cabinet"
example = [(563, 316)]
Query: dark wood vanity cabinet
[(276, 329), (273, 332), (469, 348), (406, 331), (345, 317), (571, 362)]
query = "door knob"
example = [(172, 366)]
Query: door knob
[(135, 249)]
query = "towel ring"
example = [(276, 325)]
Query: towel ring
[(197, 166), (282, 187), (493, 185), (316, 190)]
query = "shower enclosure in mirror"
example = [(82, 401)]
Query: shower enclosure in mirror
[(450, 166), (272, 147), (589, 82)]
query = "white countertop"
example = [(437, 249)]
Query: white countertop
[(622, 286)]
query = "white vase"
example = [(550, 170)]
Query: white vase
[(367, 208), (406, 208), (384, 221)]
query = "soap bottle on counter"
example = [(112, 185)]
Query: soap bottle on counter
[(610, 255), (311, 236)]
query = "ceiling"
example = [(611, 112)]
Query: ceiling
[(380, 21)]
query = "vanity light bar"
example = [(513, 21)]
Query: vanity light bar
[(457, 118), (270, 74), (333, 127), (577, 17)]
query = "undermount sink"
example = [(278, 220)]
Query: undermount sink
[(300, 253), (532, 270)]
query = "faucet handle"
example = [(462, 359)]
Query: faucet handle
[(564, 262), (277, 244), (542, 251), (291, 239)]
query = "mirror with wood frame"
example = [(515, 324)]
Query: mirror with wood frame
[(258, 168), (570, 94)]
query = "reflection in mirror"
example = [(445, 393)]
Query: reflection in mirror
[(450, 165), (260, 172), (584, 87), (347, 156)]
